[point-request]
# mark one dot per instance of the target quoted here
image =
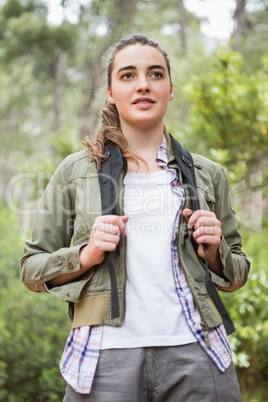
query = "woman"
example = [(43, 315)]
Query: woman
[(144, 326)]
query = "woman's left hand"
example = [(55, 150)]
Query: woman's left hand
[(206, 229)]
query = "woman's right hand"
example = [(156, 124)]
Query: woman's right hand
[(105, 236)]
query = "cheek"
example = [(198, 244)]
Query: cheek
[(164, 91), (166, 96), (122, 96)]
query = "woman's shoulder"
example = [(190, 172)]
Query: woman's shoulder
[(212, 168), (201, 162), (76, 158), (78, 164)]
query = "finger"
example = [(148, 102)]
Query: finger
[(110, 238), (199, 217), (208, 231), (212, 242), (187, 213), (209, 221), (210, 245), (193, 217), (118, 221), (100, 246), (107, 237), (123, 220), (102, 242), (100, 227)]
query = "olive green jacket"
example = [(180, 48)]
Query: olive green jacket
[(63, 222)]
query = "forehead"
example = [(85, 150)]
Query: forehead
[(139, 56)]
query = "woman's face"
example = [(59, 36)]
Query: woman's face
[(140, 86)]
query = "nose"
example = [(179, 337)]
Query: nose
[(143, 85)]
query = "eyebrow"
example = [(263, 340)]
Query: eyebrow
[(130, 67)]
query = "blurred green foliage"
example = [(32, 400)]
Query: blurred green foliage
[(228, 122), (229, 112), (33, 329), (248, 309)]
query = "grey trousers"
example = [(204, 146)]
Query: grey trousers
[(159, 374)]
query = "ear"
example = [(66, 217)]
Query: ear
[(110, 97), (171, 93)]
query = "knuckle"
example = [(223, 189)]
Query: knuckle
[(113, 246)]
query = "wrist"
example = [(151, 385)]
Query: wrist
[(84, 257)]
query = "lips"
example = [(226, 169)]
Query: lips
[(143, 100)]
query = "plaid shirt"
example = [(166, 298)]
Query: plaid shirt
[(80, 357)]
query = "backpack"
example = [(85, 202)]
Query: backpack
[(112, 166)]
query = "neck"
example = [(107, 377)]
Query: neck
[(144, 143), (142, 140)]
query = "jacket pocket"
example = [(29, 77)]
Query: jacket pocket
[(211, 316), (206, 199), (96, 275)]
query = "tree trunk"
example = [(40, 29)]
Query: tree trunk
[(241, 22), (183, 26), (120, 21), (58, 87), (89, 110)]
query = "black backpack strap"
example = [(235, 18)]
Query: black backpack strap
[(213, 293), (108, 174), (185, 162)]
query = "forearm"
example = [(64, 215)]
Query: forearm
[(104, 238), (215, 264), (38, 267), (66, 278), (85, 265)]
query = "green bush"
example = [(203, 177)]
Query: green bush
[(33, 327)]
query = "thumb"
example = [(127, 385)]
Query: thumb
[(187, 213), (124, 219)]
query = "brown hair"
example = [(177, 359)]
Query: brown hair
[(109, 128)]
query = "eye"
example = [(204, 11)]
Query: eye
[(157, 74), (126, 76)]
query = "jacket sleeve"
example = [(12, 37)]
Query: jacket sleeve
[(48, 253), (235, 264)]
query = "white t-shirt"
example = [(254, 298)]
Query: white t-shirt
[(154, 315)]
